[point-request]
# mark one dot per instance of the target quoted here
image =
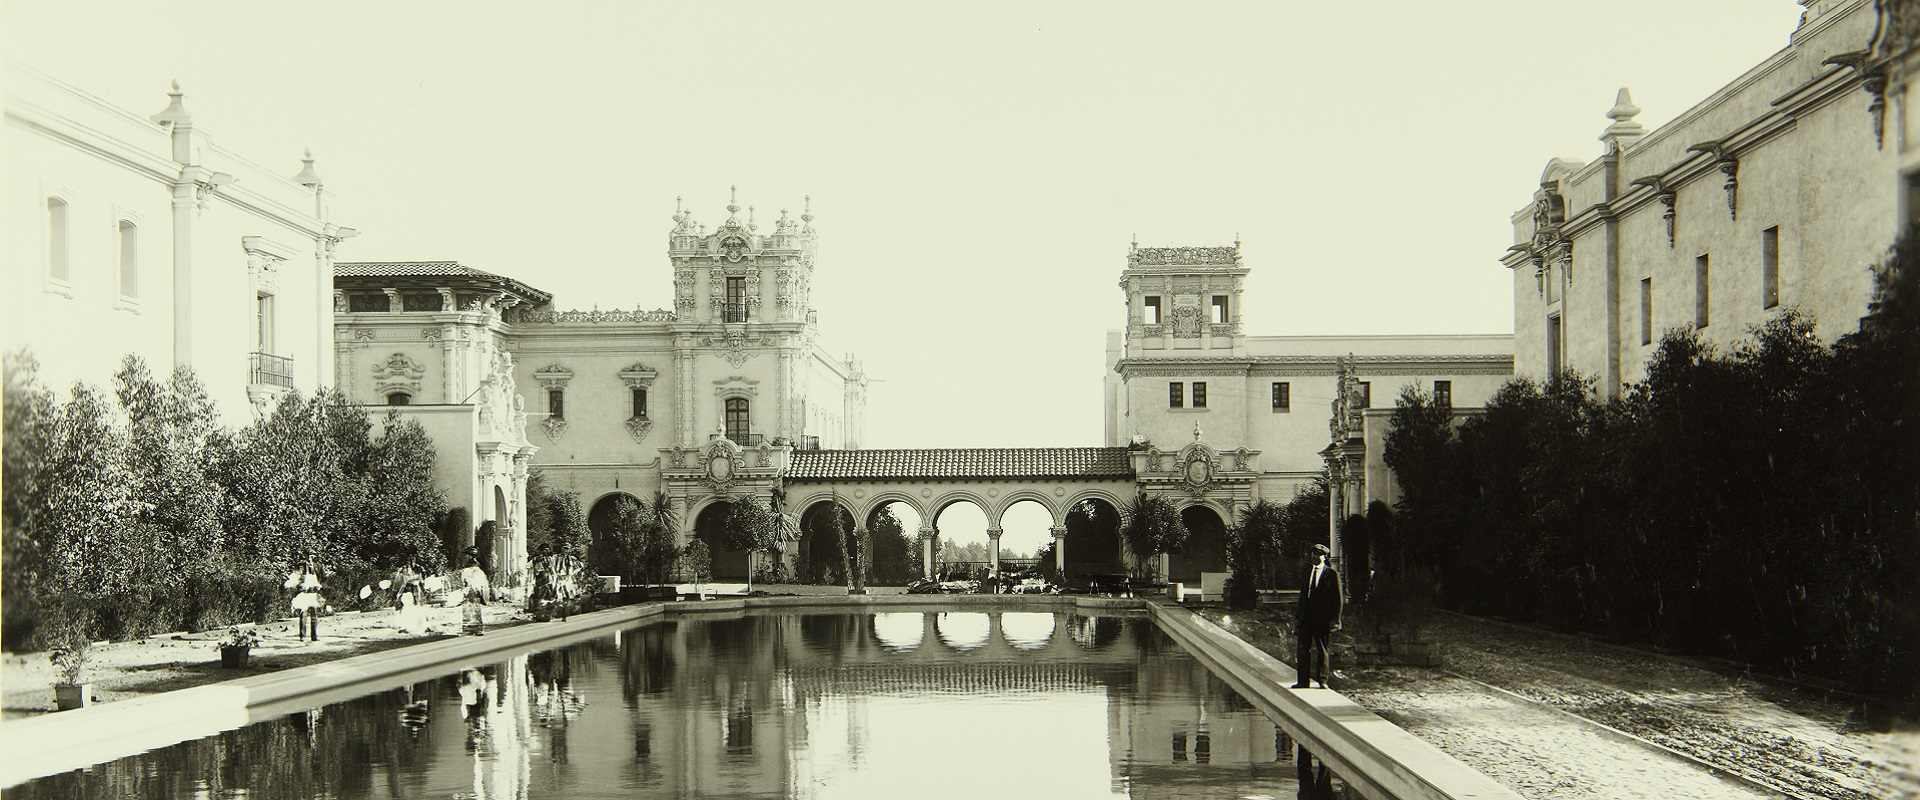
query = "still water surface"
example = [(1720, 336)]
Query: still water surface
[(906, 704)]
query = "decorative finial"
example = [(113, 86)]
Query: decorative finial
[(1622, 114), (807, 214), (733, 202), (1196, 431), (677, 213), (1236, 240), (307, 177), (750, 223), (176, 110)]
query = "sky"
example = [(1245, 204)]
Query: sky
[(977, 170)]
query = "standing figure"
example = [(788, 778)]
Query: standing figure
[(540, 600), (1319, 616), (307, 601), (477, 587)]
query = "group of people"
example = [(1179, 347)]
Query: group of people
[(559, 581)]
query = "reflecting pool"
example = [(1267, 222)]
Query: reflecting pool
[(916, 704)]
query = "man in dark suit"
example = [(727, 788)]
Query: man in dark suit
[(1318, 618)]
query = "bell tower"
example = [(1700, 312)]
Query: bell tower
[(1183, 301), (736, 275)]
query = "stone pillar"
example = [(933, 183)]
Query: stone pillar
[(1060, 550), (926, 551), (861, 559), (993, 555), (518, 500), (1335, 505), (683, 390)]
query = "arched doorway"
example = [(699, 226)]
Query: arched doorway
[(1093, 540), (603, 550), (819, 559), (728, 564), (960, 549), (1205, 549)]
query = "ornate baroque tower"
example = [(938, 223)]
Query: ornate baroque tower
[(741, 294), (1183, 299)]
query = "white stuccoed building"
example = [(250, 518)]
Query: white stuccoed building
[(136, 233)]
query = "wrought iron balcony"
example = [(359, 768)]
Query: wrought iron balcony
[(747, 439), (272, 370)]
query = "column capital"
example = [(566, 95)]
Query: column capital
[(994, 533), (1059, 531)]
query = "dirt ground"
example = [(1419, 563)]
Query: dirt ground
[(1505, 696)]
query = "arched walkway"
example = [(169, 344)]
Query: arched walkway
[(819, 559)]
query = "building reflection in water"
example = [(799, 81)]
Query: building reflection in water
[(828, 705)]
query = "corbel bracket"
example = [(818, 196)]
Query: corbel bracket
[(1665, 194), (1729, 165), (1873, 78)]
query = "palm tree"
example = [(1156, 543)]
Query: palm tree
[(1150, 526)]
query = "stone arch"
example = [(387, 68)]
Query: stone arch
[(963, 631), (1034, 494), (1093, 541), (817, 559), (603, 549), (728, 564), (894, 560), (974, 566), (883, 497), (1206, 547)]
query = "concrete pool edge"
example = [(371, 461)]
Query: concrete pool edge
[(1374, 755), (1370, 753)]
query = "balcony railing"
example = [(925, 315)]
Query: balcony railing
[(272, 370), (747, 439)]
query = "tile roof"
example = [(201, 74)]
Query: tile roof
[(471, 277), (1019, 462), (408, 268)]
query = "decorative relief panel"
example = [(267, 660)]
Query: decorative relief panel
[(398, 373), (733, 345), (1186, 321), (1184, 255)]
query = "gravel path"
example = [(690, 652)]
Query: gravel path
[(1808, 744)]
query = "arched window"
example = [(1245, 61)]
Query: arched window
[(57, 239), (399, 399), (556, 404), (640, 403), (129, 259), (737, 420)]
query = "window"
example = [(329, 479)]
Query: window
[(1646, 311), (1553, 345), (1220, 309), (737, 429), (364, 303), (1152, 312), (640, 403), (419, 301), (1443, 394), (1700, 292), (129, 242), (1179, 747), (1199, 394), (736, 300), (1174, 397), (1282, 396), (1366, 394), (1770, 267), (1202, 748), (556, 404), (57, 239), (263, 323), (399, 399)]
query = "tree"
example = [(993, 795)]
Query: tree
[(659, 540), (893, 561), (750, 525), (696, 559), (1255, 551), (1151, 526)]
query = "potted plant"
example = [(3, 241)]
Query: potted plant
[(234, 649), (70, 660)]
